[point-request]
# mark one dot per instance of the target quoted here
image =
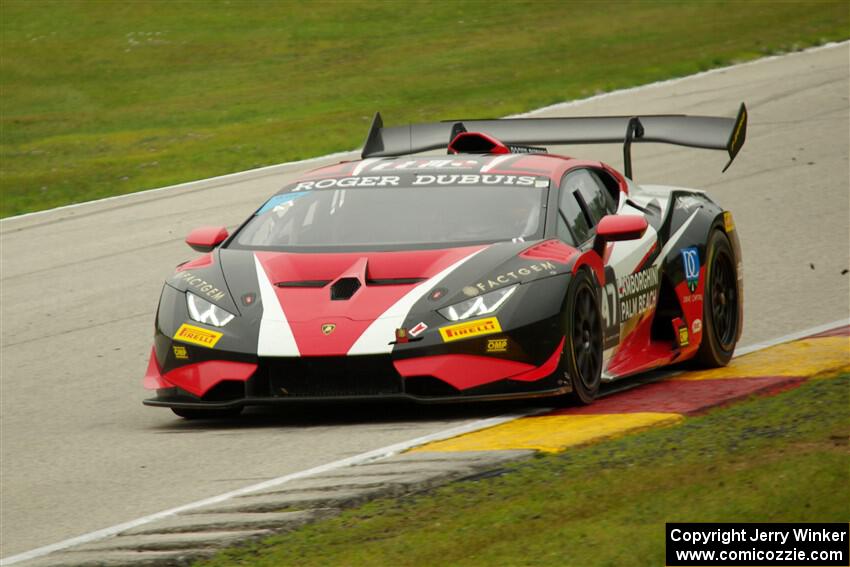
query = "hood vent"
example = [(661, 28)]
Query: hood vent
[(304, 283), (395, 281), (323, 283), (344, 288)]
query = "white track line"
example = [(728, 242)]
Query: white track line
[(793, 336), (369, 456), (268, 170)]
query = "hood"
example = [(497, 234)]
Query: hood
[(330, 304), (324, 304), (356, 286)]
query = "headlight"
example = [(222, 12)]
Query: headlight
[(203, 311), (477, 306)]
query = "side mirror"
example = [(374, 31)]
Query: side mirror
[(616, 228), (206, 238)]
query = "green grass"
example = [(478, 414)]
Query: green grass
[(100, 98), (777, 459)]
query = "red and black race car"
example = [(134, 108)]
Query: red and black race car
[(494, 271)]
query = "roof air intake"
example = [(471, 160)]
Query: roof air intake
[(476, 143)]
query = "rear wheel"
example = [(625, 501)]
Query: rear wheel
[(581, 361), (720, 304), (203, 413)]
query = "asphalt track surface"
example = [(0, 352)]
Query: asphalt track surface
[(80, 285)]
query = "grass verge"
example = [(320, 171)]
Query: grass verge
[(105, 98), (777, 459)]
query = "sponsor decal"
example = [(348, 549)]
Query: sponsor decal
[(497, 345), (687, 202), (693, 297), (683, 336), (696, 326), (637, 293), (515, 149), (418, 329), (328, 328), (474, 179), (471, 329), (197, 336), (690, 261), (180, 352), (470, 291), (419, 180), (349, 182), (728, 222), (402, 336), (427, 164), (279, 203), (199, 285), (517, 275), (437, 294)]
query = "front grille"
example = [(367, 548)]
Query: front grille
[(225, 391), (330, 376)]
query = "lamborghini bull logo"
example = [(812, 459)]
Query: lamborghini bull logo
[(328, 328)]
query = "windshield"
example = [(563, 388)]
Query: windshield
[(396, 217)]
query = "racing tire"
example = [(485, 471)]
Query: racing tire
[(203, 413), (720, 305), (581, 361)]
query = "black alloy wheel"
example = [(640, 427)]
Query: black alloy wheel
[(587, 339), (720, 304), (724, 300), (581, 361)]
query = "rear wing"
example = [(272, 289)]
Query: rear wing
[(706, 132)]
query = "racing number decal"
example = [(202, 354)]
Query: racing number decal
[(609, 305)]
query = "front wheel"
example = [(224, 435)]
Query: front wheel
[(581, 361), (720, 304)]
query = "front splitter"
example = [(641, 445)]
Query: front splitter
[(244, 402)]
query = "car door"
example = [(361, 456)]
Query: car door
[(630, 291)]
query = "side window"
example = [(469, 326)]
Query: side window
[(564, 232), (611, 185), (584, 201), (590, 190), (572, 215)]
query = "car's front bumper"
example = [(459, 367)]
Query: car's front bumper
[(218, 384)]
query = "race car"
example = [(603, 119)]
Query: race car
[(491, 270)]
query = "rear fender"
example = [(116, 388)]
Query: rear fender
[(689, 223)]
